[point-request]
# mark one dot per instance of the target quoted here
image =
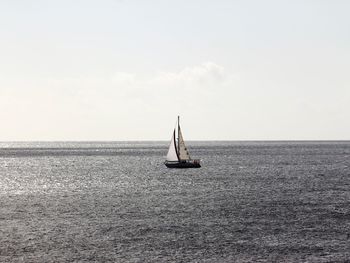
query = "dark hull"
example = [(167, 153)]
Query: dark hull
[(182, 165)]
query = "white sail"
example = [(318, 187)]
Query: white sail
[(172, 153), (183, 152)]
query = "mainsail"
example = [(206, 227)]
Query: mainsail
[(172, 153), (183, 152)]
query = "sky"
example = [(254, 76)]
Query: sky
[(124, 70)]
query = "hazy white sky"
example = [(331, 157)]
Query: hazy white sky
[(123, 70)]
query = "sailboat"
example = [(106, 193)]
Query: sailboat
[(178, 155)]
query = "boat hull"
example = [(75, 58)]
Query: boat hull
[(188, 164)]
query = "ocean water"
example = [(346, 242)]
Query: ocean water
[(117, 202)]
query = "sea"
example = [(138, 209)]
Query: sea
[(276, 201)]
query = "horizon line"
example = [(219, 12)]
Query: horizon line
[(215, 140)]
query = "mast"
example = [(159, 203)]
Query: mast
[(176, 150), (178, 134)]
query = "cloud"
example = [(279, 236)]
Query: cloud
[(111, 103), (188, 87), (188, 81), (115, 90), (203, 75), (127, 87)]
